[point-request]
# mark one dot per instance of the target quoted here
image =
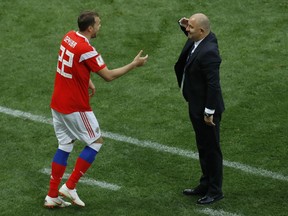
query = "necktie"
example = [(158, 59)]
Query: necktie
[(187, 60)]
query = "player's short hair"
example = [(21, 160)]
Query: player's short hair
[(86, 19)]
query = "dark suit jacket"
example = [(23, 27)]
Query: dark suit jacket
[(202, 82)]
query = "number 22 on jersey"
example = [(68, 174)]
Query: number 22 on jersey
[(62, 62)]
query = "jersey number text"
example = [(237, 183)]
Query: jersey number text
[(62, 62)]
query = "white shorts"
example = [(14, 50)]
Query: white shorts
[(82, 126)]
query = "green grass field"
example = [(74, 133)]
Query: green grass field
[(145, 110)]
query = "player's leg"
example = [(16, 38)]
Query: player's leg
[(59, 161), (58, 168), (84, 161), (87, 131)]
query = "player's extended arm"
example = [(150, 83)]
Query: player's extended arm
[(110, 75)]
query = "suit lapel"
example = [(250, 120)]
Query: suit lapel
[(194, 54), (198, 48), (186, 49)]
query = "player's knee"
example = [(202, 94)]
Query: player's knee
[(68, 147), (97, 144), (99, 140)]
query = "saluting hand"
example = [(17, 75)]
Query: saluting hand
[(183, 22)]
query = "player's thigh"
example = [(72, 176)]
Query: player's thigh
[(84, 126), (62, 132)]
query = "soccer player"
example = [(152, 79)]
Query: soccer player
[(73, 118)]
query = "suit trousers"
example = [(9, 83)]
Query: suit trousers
[(210, 155)]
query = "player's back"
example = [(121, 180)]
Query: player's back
[(73, 74)]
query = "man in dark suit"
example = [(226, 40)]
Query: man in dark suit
[(197, 71)]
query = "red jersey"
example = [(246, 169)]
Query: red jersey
[(76, 59)]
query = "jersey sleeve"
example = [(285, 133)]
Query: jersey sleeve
[(92, 59)]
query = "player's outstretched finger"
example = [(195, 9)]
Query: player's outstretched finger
[(140, 53), (145, 57)]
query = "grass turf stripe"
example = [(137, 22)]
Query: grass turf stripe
[(213, 212), (153, 145)]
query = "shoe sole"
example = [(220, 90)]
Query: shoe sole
[(69, 197), (55, 206), (50, 206)]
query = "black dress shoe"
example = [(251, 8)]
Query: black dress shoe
[(198, 191), (209, 199)]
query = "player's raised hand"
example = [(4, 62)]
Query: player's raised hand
[(140, 60)]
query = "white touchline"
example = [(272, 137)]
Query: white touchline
[(87, 181), (219, 212), (153, 145)]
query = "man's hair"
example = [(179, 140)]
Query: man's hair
[(86, 19)]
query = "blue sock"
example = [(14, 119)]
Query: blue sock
[(61, 157), (88, 154)]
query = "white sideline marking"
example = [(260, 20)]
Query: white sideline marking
[(212, 212), (87, 181), (154, 145)]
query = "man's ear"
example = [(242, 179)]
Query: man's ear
[(90, 28)]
